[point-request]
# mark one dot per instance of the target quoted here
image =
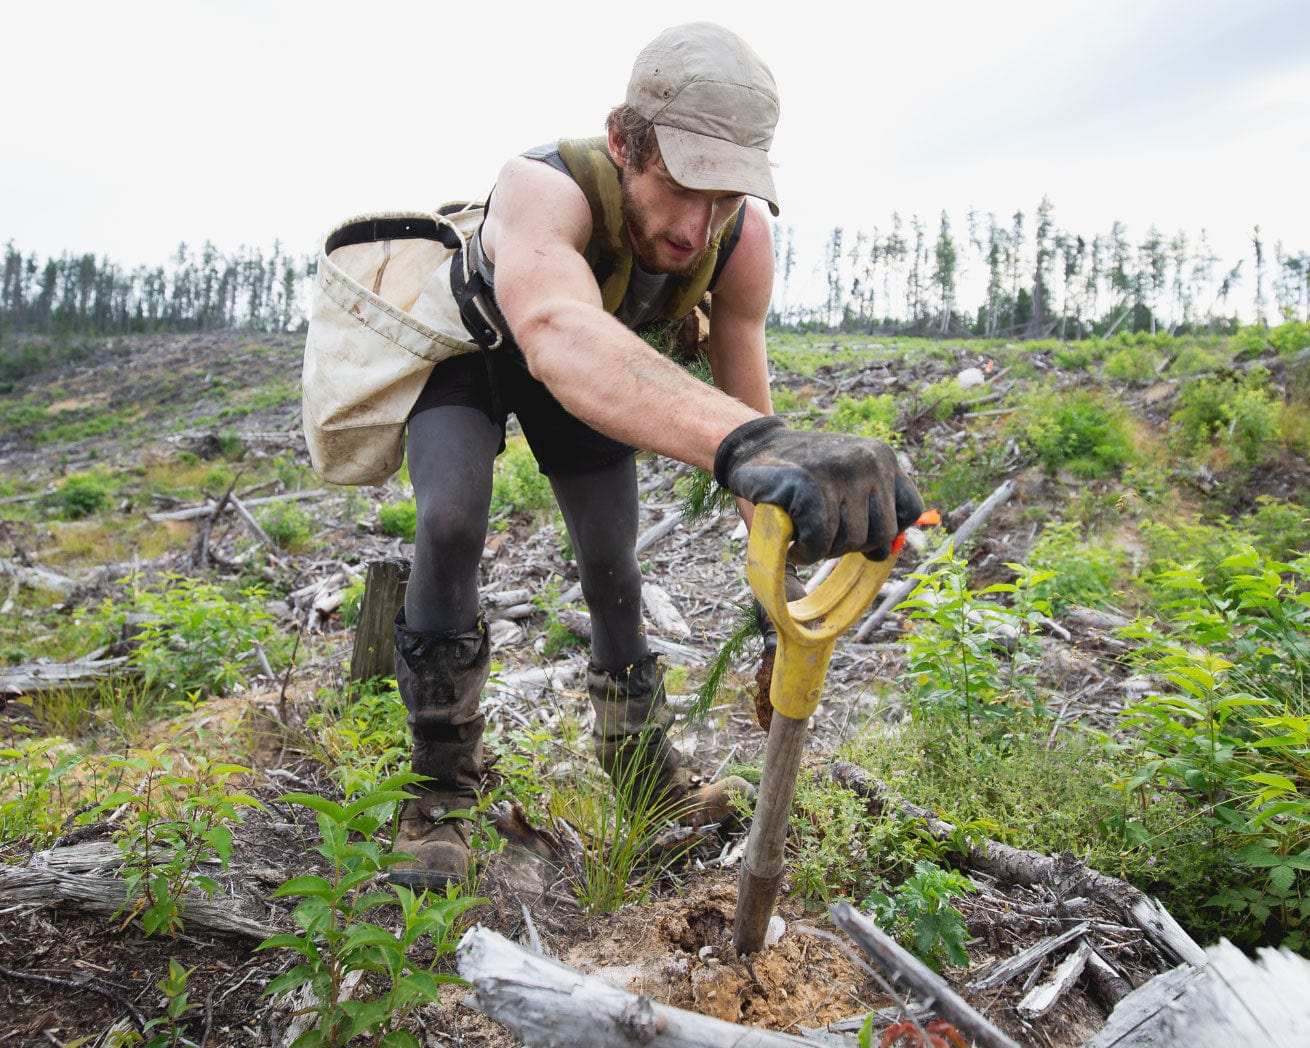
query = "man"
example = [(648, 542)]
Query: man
[(583, 242)]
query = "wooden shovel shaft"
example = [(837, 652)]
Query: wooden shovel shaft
[(807, 631), (763, 866)]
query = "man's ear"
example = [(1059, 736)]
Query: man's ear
[(616, 149)]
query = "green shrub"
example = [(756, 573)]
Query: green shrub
[(399, 519), (1240, 413), (1230, 732), (81, 495), (968, 656), (1078, 356), (1074, 572), (1075, 431), (1133, 365), (518, 486), (968, 471), (287, 524), (196, 637), (944, 396), (874, 417)]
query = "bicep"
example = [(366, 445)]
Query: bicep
[(539, 227), (739, 307)]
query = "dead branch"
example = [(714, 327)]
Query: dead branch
[(927, 985)]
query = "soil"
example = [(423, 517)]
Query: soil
[(68, 973)]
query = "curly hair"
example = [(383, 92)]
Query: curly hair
[(636, 136)]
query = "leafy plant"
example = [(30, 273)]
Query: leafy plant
[(81, 495), (288, 525), (517, 485), (921, 915), (359, 733), (1073, 572), (195, 637), (558, 637), (874, 417), (36, 787), (1230, 733), (1074, 431), (1239, 412), (399, 519), (176, 822), (337, 938), (970, 653)]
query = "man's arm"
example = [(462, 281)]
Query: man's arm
[(598, 369), (739, 306)]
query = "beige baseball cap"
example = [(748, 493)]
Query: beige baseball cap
[(714, 106)]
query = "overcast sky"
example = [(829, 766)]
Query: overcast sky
[(132, 126)]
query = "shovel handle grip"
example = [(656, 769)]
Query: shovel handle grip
[(807, 628)]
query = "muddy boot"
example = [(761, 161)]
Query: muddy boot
[(631, 738), (440, 679)]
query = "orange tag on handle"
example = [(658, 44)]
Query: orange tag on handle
[(926, 518)]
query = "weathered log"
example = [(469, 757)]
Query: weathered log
[(33, 677), (1045, 996), (375, 639), (663, 613), (546, 1004), (1010, 865), (1232, 1001), (208, 508), (52, 886), (35, 577), (901, 590), (900, 965)]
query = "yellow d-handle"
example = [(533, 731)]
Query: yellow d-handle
[(807, 628)]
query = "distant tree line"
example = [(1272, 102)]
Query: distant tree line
[(1033, 280), (83, 295)]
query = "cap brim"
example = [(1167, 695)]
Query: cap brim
[(703, 162)]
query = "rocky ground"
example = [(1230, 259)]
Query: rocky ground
[(69, 973)]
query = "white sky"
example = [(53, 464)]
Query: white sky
[(132, 126)]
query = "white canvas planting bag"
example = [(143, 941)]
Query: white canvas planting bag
[(383, 315)]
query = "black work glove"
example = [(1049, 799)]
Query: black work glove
[(842, 493)]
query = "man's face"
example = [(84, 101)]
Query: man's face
[(671, 226)]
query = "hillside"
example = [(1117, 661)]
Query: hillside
[(998, 700)]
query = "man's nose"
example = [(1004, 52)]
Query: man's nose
[(696, 222)]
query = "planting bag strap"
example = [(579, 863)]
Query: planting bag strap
[(470, 290)]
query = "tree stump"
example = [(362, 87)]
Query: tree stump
[(375, 642)]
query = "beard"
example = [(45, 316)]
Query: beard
[(643, 231)]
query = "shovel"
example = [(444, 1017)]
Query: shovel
[(807, 632)]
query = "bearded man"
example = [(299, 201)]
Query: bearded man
[(584, 242)]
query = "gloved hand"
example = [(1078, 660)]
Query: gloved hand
[(842, 493)]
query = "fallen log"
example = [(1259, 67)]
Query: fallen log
[(1011, 865), (545, 1003), (52, 886), (1232, 1001), (208, 508), (33, 677)]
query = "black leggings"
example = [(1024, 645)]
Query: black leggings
[(451, 451)]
